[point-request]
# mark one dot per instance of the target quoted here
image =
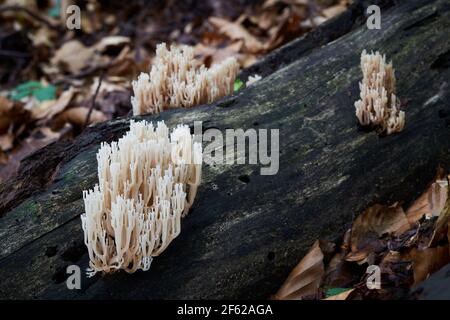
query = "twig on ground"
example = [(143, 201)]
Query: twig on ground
[(88, 116)]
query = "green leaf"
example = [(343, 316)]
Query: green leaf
[(35, 89), (46, 93), (237, 85), (56, 10), (335, 291)]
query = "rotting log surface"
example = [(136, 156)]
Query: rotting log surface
[(243, 238)]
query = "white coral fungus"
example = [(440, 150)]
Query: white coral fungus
[(147, 182), (252, 79), (378, 106), (176, 80)]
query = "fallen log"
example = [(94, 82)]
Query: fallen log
[(247, 231)]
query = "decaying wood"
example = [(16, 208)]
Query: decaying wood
[(247, 231)]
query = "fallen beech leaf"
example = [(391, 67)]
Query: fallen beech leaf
[(334, 10), (48, 109), (77, 116), (371, 225), (430, 203), (428, 261), (43, 37), (305, 278), (286, 23), (111, 41), (73, 56), (210, 55), (6, 107), (341, 296), (235, 31), (339, 272), (6, 141), (12, 114)]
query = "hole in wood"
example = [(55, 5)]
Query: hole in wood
[(244, 178)]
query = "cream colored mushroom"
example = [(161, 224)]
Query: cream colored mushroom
[(176, 80), (147, 182), (378, 105)]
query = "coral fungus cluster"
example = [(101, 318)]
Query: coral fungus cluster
[(378, 106), (176, 80), (147, 182)]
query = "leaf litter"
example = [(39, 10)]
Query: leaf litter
[(408, 246)]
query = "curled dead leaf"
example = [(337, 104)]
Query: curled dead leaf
[(73, 56), (48, 109), (11, 113), (334, 10), (77, 116), (235, 31), (6, 141), (111, 41), (305, 278), (371, 225)]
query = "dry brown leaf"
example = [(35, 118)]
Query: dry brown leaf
[(341, 296), (6, 141), (43, 37), (305, 278), (265, 20), (428, 261), (77, 116), (6, 107), (48, 109), (12, 115), (334, 10), (235, 31), (371, 225), (285, 22), (111, 41), (210, 55), (340, 273), (430, 203), (73, 56)]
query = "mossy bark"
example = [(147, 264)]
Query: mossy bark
[(242, 238)]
